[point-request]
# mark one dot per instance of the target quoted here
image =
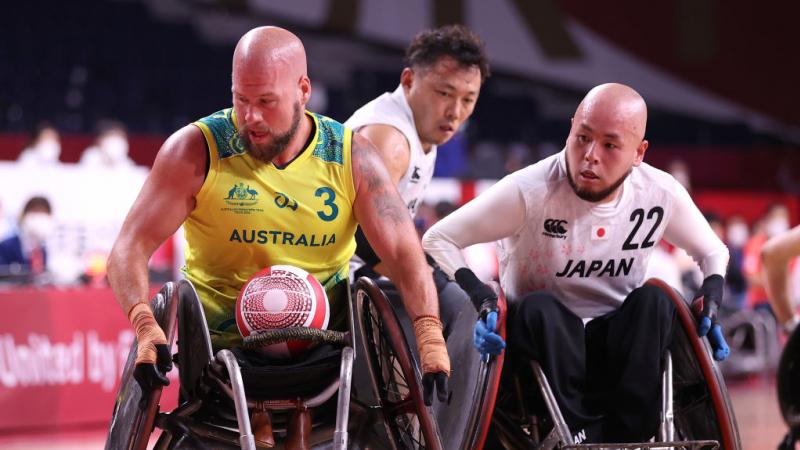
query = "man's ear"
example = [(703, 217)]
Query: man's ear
[(305, 89), (640, 151), (407, 78)]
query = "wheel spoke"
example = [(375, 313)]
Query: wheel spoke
[(398, 405)]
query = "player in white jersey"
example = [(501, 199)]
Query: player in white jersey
[(439, 86), (575, 234)]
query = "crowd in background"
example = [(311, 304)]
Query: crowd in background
[(32, 238), (26, 234)]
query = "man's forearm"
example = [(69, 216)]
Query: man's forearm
[(415, 283), (128, 277)]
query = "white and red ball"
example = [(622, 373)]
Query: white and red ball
[(280, 297)]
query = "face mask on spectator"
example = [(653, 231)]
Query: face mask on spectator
[(776, 226), (48, 149), (37, 226), (115, 147), (738, 234)]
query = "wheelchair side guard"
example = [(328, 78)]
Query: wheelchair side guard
[(134, 414), (192, 334), (491, 372), (390, 362), (788, 389), (692, 363)]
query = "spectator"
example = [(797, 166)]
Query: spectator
[(110, 149), (735, 285), (519, 156), (774, 222), (6, 227), (487, 161), (44, 148), (24, 250), (679, 170)]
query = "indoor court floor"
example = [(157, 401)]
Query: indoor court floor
[(755, 401)]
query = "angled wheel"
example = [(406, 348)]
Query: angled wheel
[(133, 416), (788, 391), (395, 376), (703, 409)]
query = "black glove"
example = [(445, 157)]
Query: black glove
[(705, 305), (482, 296), (438, 381), (150, 376)]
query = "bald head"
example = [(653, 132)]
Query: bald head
[(267, 49), (270, 88), (618, 103), (606, 141)]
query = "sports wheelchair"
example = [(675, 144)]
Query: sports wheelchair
[(696, 412), (227, 401), (219, 395), (789, 391)]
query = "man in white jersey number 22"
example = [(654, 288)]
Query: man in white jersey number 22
[(575, 233)]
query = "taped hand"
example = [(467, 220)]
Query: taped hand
[(433, 358), (153, 359)]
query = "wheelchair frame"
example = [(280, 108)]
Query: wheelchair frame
[(714, 393), (135, 417), (395, 382)]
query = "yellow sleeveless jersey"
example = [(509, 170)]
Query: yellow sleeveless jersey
[(251, 215)]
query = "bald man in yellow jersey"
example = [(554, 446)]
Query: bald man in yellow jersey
[(266, 183)]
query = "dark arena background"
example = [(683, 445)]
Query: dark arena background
[(112, 79)]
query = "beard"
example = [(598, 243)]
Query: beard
[(590, 196), (267, 152)]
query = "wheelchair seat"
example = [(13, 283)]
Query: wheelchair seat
[(287, 379)]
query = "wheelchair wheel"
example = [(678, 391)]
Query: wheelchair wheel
[(702, 407), (133, 416), (394, 372)]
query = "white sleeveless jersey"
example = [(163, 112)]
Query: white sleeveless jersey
[(590, 256), (392, 109)]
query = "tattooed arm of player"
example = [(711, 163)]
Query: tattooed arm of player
[(388, 227), (390, 231)]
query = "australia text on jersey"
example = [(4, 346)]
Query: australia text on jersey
[(611, 268), (276, 237)]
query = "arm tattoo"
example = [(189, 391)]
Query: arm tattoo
[(387, 203)]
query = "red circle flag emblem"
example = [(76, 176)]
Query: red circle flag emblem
[(601, 232)]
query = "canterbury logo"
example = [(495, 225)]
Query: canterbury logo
[(555, 227)]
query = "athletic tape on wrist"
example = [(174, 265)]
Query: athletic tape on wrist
[(431, 345)]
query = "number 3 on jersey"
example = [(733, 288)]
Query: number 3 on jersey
[(637, 216), (330, 198)]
